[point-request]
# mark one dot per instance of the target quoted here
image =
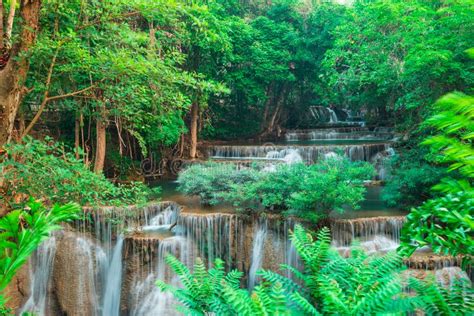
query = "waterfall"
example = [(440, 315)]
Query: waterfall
[(323, 114), (332, 116), (339, 133), (163, 220), (448, 275), (148, 299), (114, 281), (345, 231), (257, 253), (41, 269), (308, 153), (216, 235), (92, 265)]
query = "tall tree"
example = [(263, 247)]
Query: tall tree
[(14, 62)]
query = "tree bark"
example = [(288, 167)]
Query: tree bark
[(193, 129), (101, 125), (11, 17), (13, 75)]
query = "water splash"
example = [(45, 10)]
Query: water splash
[(332, 116), (162, 221)]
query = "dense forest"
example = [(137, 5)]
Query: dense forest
[(339, 130)]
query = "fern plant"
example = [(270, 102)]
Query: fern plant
[(219, 292), (360, 284), (458, 299), (23, 230), (329, 284)]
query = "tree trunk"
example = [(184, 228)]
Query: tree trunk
[(193, 129), (77, 135), (270, 122), (13, 75), (101, 125)]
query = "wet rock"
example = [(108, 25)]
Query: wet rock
[(75, 267), (18, 289)]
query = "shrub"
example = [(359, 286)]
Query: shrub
[(411, 179), (47, 171), (211, 181), (309, 192)]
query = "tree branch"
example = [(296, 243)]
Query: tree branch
[(1, 25), (45, 95), (71, 94), (46, 100), (11, 17)]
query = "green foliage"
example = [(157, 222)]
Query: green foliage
[(23, 230), (452, 144), (447, 223), (308, 192), (397, 57), (48, 171), (329, 284), (458, 299), (411, 178), (351, 286), (211, 181)]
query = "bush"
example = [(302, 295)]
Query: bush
[(211, 181), (411, 179), (47, 171), (309, 192)]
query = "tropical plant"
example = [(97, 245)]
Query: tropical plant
[(47, 170), (394, 58), (452, 143), (411, 177), (457, 299), (210, 181), (355, 285), (23, 230), (328, 284), (219, 292), (446, 223)]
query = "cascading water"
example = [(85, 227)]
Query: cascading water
[(148, 299), (345, 231), (41, 268), (162, 221), (257, 254), (113, 288), (308, 153), (332, 116), (91, 266)]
